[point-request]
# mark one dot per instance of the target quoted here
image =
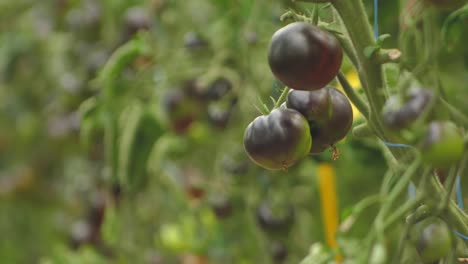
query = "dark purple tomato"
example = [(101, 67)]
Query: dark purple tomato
[(432, 239), (279, 252), (275, 221), (181, 110), (328, 112), (443, 145), (219, 116), (399, 113), (193, 41), (304, 57), (277, 140), (222, 207), (135, 19), (218, 89)]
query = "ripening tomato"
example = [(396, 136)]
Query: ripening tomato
[(399, 113), (443, 145), (277, 140), (432, 239), (328, 112)]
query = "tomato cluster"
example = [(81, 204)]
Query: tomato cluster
[(189, 103), (315, 116)]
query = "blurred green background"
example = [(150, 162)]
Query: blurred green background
[(177, 186)]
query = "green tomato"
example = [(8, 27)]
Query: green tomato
[(432, 239), (443, 145)]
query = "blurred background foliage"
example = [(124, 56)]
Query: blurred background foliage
[(176, 186)]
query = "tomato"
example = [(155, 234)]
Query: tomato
[(328, 112), (219, 116), (279, 252), (182, 110), (443, 145), (272, 221), (194, 41), (135, 19), (218, 89), (222, 207), (432, 239), (399, 114), (304, 57), (277, 140)]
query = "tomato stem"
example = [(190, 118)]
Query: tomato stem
[(355, 20), (282, 97), (353, 96)]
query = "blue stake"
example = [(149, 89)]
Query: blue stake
[(376, 19)]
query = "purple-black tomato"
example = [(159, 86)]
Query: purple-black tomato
[(274, 221), (277, 140), (182, 110), (328, 112), (304, 57), (399, 113)]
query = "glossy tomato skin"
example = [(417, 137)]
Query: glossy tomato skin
[(304, 57), (328, 112), (277, 140), (399, 115), (443, 145), (432, 239)]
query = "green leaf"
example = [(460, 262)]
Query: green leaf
[(369, 51), (382, 38), (140, 130)]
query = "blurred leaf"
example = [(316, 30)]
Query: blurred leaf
[(140, 131)]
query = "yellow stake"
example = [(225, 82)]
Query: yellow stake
[(327, 187)]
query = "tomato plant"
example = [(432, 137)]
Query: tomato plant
[(157, 131)]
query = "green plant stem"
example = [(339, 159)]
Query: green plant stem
[(455, 215), (355, 19), (402, 211), (459, 116), (401, 244), (449, 184), (363, 131), (353, 96)]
